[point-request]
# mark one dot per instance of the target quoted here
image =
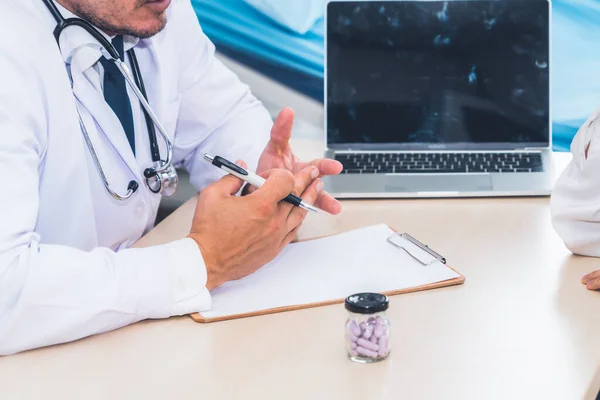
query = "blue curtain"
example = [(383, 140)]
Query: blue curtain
[(239, 26), (289, 34), (576, 61)]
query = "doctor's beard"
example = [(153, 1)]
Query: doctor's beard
[(138, 18)]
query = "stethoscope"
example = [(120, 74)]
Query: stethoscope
[(162, 177)]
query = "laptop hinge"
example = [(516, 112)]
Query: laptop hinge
[(534, 148)]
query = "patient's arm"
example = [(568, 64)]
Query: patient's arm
[(575, 203)]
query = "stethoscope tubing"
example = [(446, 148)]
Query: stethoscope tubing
[(131, 187), (128, 77)]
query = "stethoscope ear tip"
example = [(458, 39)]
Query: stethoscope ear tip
[(149, 173), (133, 186)]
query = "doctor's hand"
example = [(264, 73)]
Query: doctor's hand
[(592, 280), (239, 234), (278, 154)]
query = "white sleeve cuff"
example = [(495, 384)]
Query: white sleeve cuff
[(190, 294)]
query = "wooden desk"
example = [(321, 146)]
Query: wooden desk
[(521, 327)]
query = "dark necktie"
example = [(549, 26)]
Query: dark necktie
[(115, 92)]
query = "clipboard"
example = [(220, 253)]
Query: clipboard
[(403, 242)]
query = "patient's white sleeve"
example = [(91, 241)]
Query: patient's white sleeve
[(575, 202)]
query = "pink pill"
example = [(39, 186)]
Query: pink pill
[(378, 331), (363, 326), (368, 332), (354, 328), (353, 345), (352, 337), (367, 344), (384, 347), (366, 352), (373, 339), (353, 353), (380, 321)]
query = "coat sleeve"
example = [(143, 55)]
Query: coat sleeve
[(52, 294), (218, 112), (575, 201)]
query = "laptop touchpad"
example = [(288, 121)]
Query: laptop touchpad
[(438, 183)]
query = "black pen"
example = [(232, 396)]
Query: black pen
[(253, 179)]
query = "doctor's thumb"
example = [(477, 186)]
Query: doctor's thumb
[(229, 184)]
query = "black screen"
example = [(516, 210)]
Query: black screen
[(438, 73)]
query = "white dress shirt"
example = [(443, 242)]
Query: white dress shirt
[(66, 269)]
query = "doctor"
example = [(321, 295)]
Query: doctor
[(575, 202), (82, 157)]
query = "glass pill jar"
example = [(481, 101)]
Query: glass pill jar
[(367, 327)]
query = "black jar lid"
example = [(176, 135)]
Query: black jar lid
[(366, 303)]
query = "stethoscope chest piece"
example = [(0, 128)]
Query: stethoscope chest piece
[(164, 182)]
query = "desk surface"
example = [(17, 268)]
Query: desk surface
[(521, 327)]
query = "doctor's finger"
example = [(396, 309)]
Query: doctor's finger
[(304, 179), (229, 185), (297, 215), (291, 236), (326, 166), (328, 203), (281, 132), (590, 276), (249, 189), (279, 184), (593, 284)]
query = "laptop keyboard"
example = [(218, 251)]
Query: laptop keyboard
[(439, 163)]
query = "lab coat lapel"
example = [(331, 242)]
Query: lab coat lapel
[(93, 101)]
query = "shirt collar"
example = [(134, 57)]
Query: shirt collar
[(73, 39)]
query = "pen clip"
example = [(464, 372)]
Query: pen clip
[(436, 256), (221, 162)]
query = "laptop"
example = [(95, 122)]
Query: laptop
[(438, 98)]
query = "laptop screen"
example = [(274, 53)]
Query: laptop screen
[(438, 74)]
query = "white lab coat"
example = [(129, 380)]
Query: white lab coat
[(575, 202), (65, 268)]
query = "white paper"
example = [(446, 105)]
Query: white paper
[(327, 269)]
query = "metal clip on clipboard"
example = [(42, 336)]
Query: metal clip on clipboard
[(436, 256)]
